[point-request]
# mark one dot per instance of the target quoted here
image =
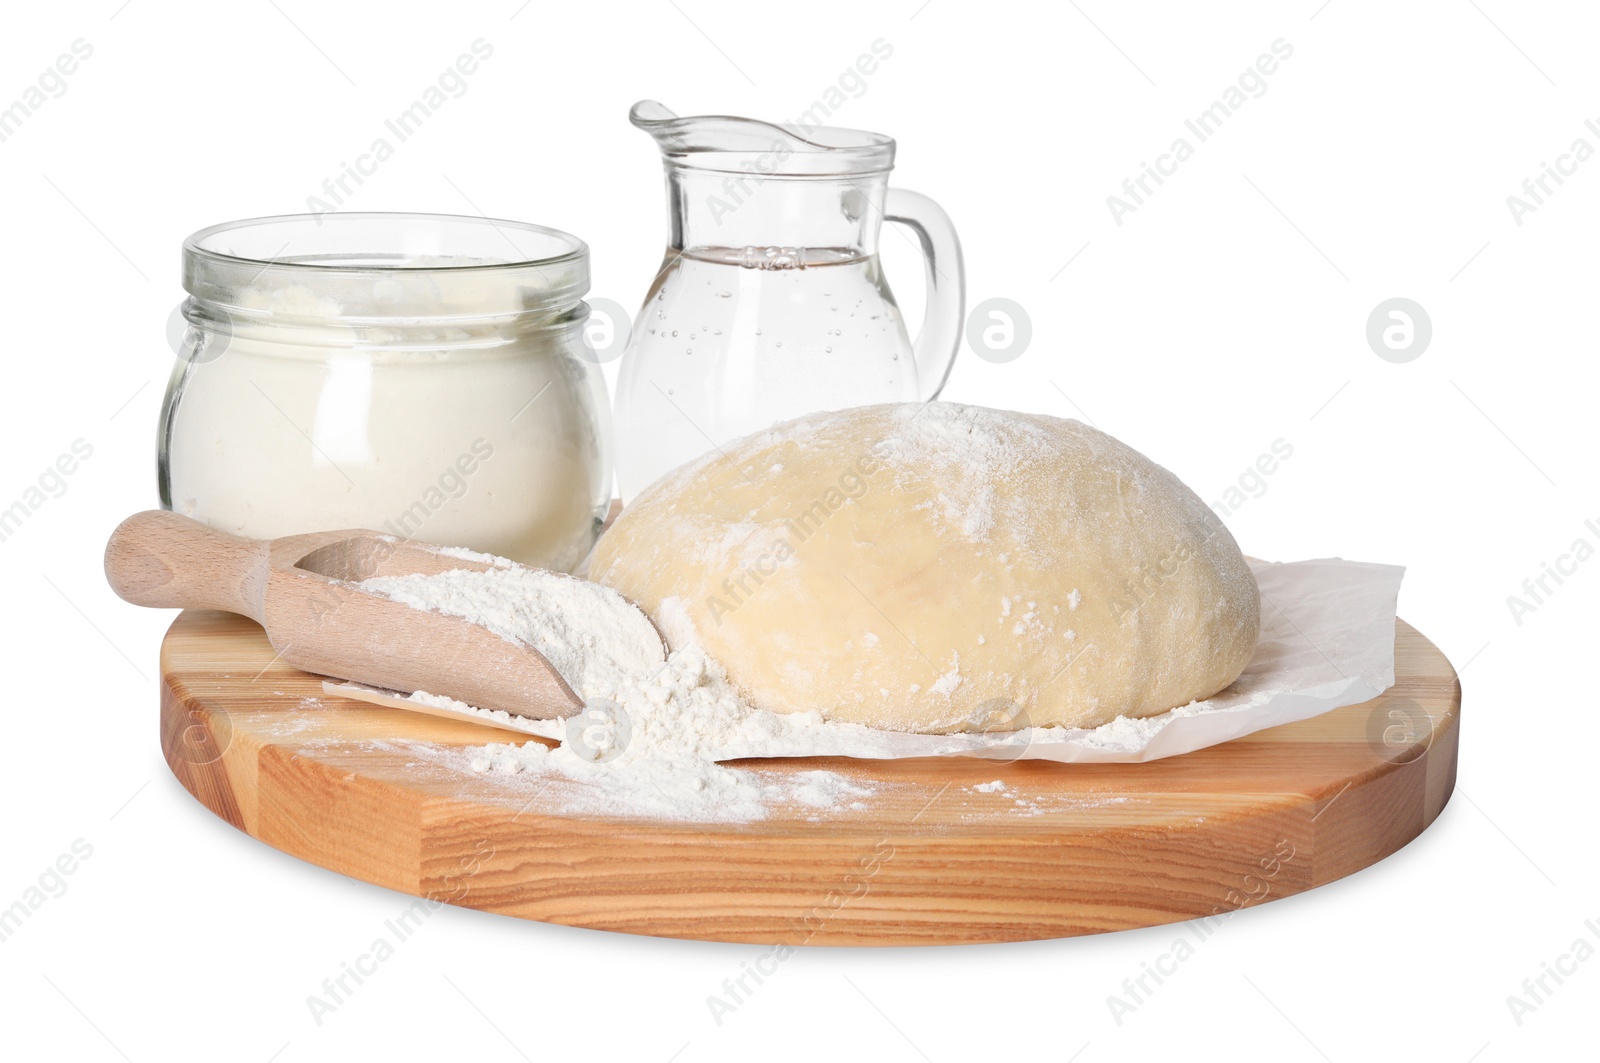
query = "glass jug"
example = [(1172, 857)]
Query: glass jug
[(770, 302)]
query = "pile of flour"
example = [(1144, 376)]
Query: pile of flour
[(654, 726)]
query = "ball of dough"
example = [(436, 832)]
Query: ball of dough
[(941, 568)]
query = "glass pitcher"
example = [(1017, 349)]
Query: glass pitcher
[(771, 302)]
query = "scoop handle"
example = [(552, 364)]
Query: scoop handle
[(167, 561)]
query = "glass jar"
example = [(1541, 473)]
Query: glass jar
[(416, 374)]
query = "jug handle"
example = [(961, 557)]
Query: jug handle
[(940, 336)]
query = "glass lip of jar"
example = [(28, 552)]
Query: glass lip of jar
[(446, 266)]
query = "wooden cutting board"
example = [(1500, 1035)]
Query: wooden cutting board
[(938, 855)]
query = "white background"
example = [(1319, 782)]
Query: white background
[(1225, 313)]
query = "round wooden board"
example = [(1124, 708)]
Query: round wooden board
[(937, 855)]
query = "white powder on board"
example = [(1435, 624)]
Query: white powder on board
[(653, 729), (654, 752)]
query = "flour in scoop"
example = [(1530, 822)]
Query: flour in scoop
[(591, 635), (653, 729)]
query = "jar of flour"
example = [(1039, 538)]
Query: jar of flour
[(416, 374)]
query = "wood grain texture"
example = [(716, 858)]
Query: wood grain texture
[(1065, 849)]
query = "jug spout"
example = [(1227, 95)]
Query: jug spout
[(729, 144)]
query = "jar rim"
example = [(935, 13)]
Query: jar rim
[(439, 258)]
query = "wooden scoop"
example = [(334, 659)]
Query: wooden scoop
[(301, 589)]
